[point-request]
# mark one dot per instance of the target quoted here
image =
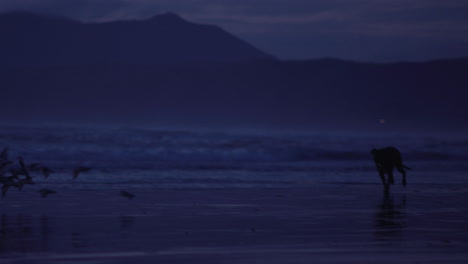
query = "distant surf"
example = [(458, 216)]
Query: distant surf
[(200, 159)]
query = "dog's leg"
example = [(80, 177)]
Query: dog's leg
[(403, 173), (390, 176), (382, 176), (386, 188)]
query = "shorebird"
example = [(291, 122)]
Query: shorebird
[(24, 169), (4, 154), (4, 166), (7, 183), (13, 180), (78, 170), (127, 194), (7, 179), (34, 167), (4, 159), (39, 167), (46, 171), (21, 182), (45, 192), (4, 163), (5, 188)]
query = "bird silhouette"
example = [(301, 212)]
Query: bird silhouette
[(17, 176), (45, 192), (39, 167), (34, 167), (4, 154), (7, 183), (46, 171), (4, 163), (24, 170), (126, 194), (21, 182), (5, 188), (78, 170)]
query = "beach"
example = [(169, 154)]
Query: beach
[(230, 132), (215, 197), (317, 223)]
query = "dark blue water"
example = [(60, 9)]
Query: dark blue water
[(156, 158)]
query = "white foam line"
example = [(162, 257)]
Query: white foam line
[(222, 250), (87, 255), (215, 250)]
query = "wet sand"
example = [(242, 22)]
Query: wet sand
[(336, 223)]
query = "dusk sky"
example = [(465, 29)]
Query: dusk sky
[(364, 30)]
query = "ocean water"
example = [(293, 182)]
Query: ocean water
[(228, 197), (164, 159)]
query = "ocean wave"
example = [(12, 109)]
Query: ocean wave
[(149, 149)]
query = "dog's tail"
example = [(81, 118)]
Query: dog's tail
[(408, 168)]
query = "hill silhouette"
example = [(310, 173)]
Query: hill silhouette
[(283, 93), (46, 40), (167, 70)]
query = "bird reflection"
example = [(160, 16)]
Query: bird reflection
[(126, 222), (78, 240), (3, 225), (78, 170), (45, 231), (390, 218), (18, 233)]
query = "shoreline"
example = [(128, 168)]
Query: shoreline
[(320, 224)]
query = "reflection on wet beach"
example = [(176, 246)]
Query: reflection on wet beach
[(22, 233), (215, 226), (390, 218), (126, 222)]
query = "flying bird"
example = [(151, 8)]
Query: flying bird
[(34, 167), (46, 171), (7, 183), (39, 167), (126, 194), (45, 192), (78, 170), (5, 188), (4, 165), (21, 182), (4, 154), (24, 170)]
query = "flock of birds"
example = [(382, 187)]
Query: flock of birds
[(22, 174)]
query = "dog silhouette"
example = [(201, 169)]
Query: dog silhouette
[(386, 159)]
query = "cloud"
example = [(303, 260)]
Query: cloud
[(280, 24), (254, 11)]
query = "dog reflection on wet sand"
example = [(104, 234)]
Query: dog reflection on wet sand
[(390, 218)]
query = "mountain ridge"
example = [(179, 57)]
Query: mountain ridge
[(265, 90), (35, 39)]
